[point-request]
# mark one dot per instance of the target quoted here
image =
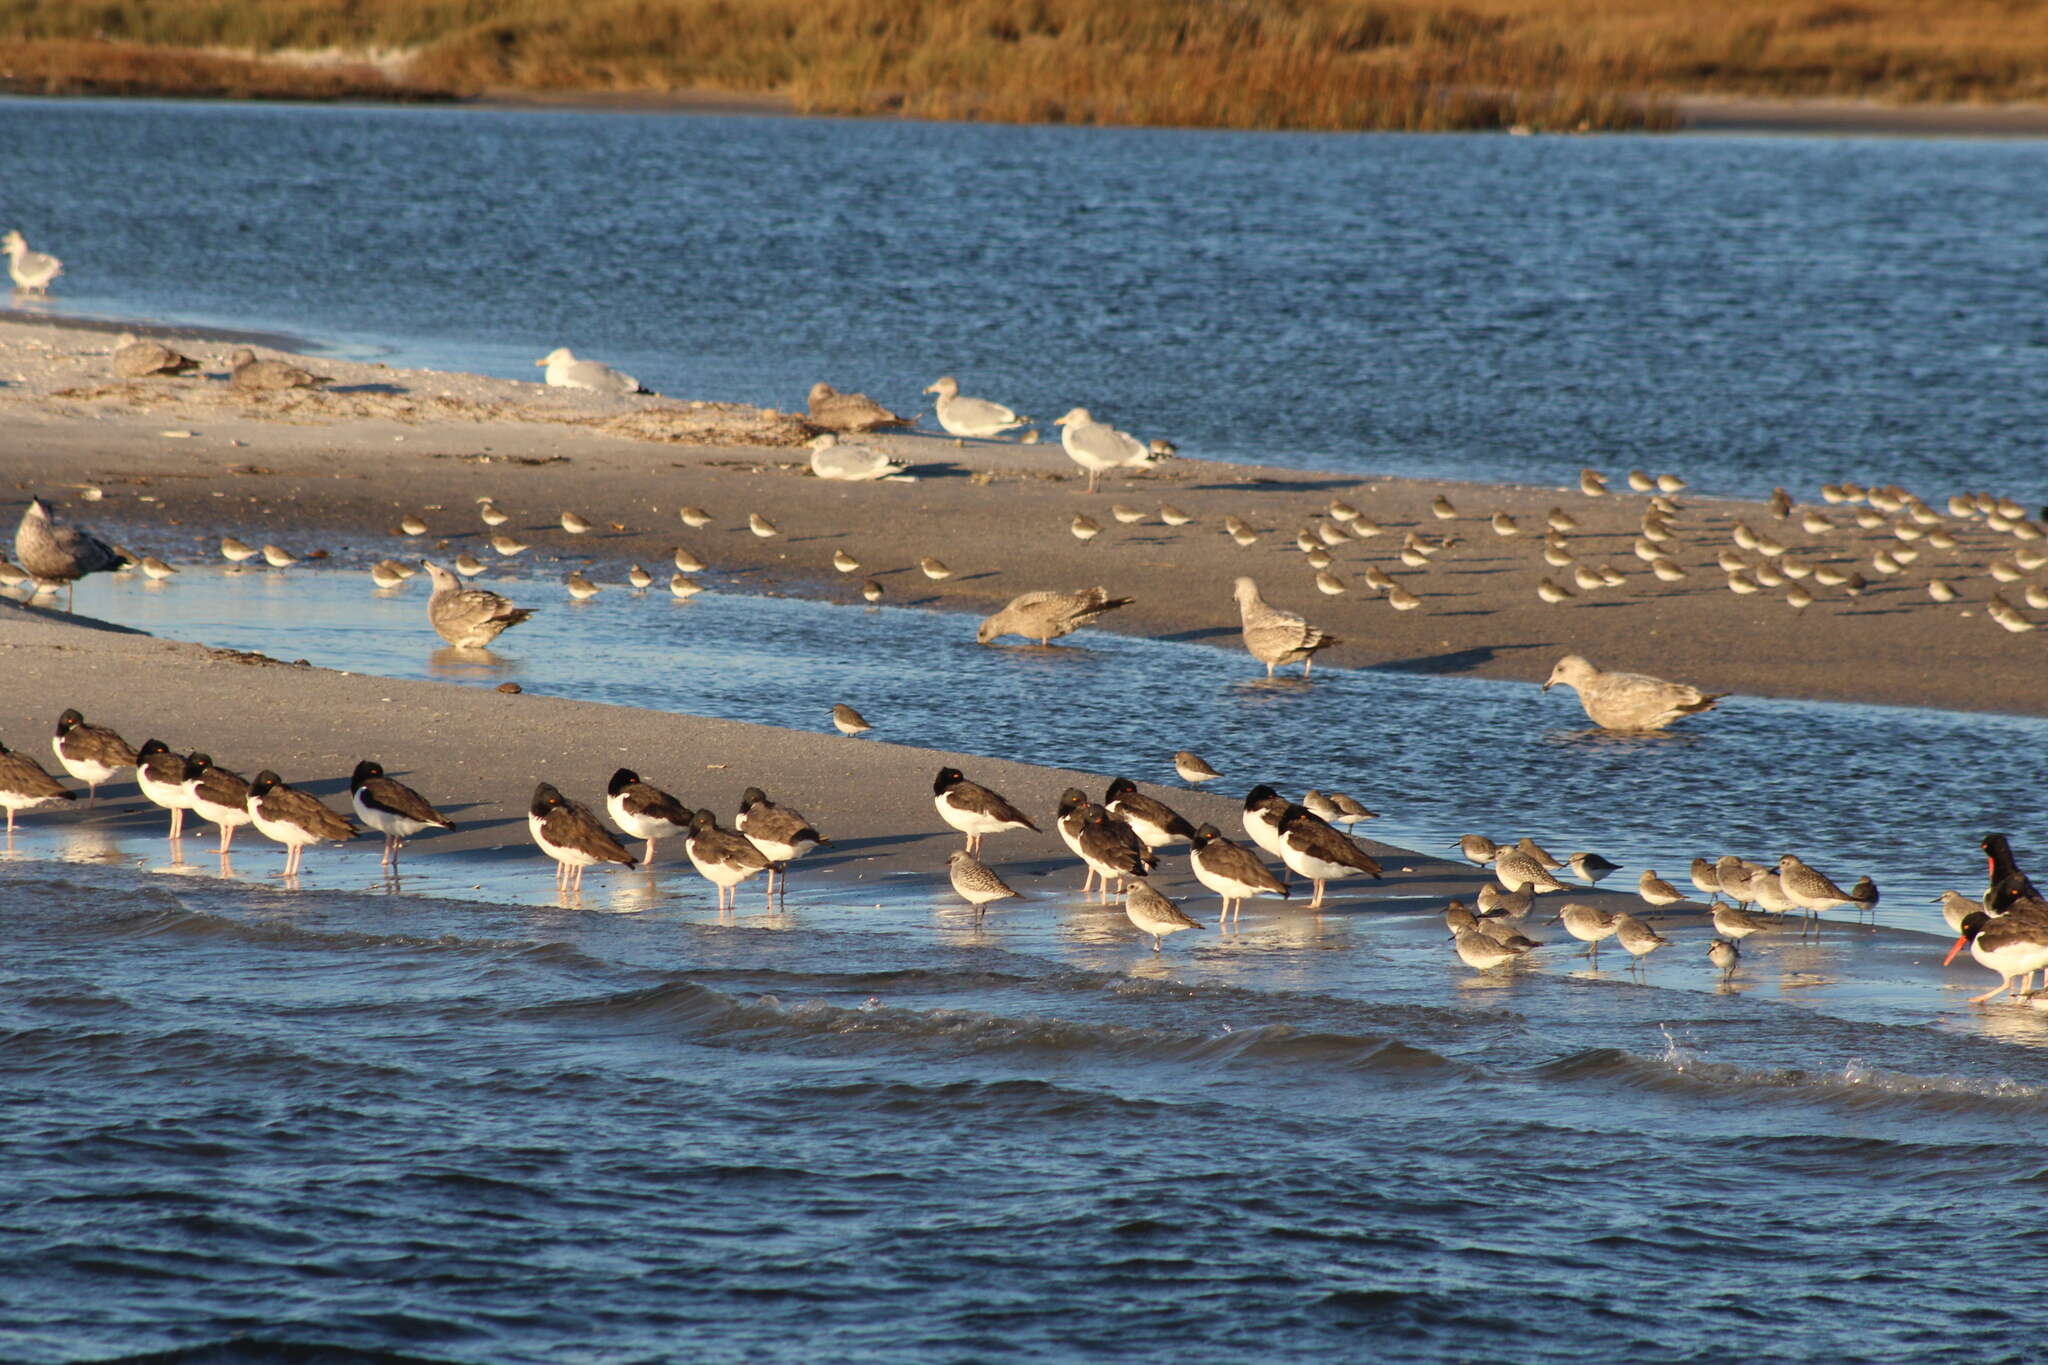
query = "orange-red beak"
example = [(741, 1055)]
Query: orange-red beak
[(1960, 944)]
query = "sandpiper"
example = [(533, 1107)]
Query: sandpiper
[(1706, 880), (761, 526), (217, 795), (1477, 849), (1807, 888), (1588, 925), (1732, 923), (1154, 914), (973, 809), (1542, 855), (687, 560), (1152, 819), (468, 618), (644, 811), (490, 513), (391, 808), (694, 517), (1193, 768), (25, 786), (277, 557), (580, 587), (160, 774), (1591, 867), (507, 546), (293, 818), (871, 590), (468, 565), (933, 568), (1724, 955), (721, 857), (1482, 952), (1125, 513), (91, 753), (1232, 871), (1441, 508), (156, 569), (1085, 528), (848, 721), (567, 832), (639, 578), (412, 525), (844, 562), (1172, 515), (575, 523), (782, 834), (683, 586), (1655, 890), (976, 884)]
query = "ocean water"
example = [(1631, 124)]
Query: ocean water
[(1749, 311)]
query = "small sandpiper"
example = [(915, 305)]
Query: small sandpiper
[(488, 510), (1477, 849), (567, 832), (871, 589), (391, 808), (1638, 938), (1172, 515), (973, 809), (1656, 891), (1125, 513), (844, 562), (975, 883), (1193, 768), (507, 546), (293, 818), (687, 560), (1588, 925), (639, 578), (91, 753), (156, 569), (1154, 914), (580, 587), (1085, 528), (468, 565), (683, 586), (694, 517), (1724, 955), (848, 721), (278, 558), (645, 811), (932, 569), (721, 857), (237, 552), (25, 786), (412, 525), (1591, 867), (761, 526), (1482, 952), (575, 523)]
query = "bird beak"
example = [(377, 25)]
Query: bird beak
[(1960, 943), (1547, 686)]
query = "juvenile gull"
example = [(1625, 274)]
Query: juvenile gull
[(565, 371), (51, 552), (30, 270), (781, 833), (721, 857), (851, 464), (218, 796), (849, 721), (135, 358), (1154, 914), (1276, 637), (391, 808), (567, 832), (1193, 768), (644, 811), (976, 417), (468, 618), (25, 786), (1097, 446), (294, 818), (835, 411), (973, 809), (1231, 871), (160, 774), (91, 753), (248, 373), (975, 883), (1628, 701), (1046, 616)]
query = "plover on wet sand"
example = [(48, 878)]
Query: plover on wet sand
[(976, 883), (1154, 914)]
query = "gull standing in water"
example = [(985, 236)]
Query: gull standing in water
[(1628, 701), (50, 552), (975, 417), (1047, 616), (565, 371), (1275, 637), (30, 270), (468, 618)]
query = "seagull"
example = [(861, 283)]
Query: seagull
[(51, 552), (160, 775), (390, 807), (217, 795), (1097, 446), (567, 832), (976, 417), (1154, 914), (135, 358), (293, 818), (249, 374), (1276, 637), (848, 721), (91, 753), (565, 371), (1232, 871), (1046, 616), (24, 785), (1193, 768), (829, 408), (782, 834), (1151, 819), (644, 811), (30, 270), (721, 857), (1628, 701), (976, 884), (468, 618), (973, 809), (851, 464)]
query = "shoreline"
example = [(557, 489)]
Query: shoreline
[(179, 462)]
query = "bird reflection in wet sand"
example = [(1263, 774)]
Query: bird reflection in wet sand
[(451, 662)]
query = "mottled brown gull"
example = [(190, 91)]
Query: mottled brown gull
[(246, 372), (468, 618), (135, 358), (1628, 701), (1275, 637), (1046, 616), (836, 411), (52, 553)]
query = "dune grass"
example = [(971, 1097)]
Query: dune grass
[(1330, 64)]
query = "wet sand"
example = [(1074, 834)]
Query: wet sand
[(182, 461)]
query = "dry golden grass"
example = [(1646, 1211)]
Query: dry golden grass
[(64, 67), (1336, 64)]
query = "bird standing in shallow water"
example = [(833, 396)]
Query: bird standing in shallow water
[(1154, 914), (91, 753), (53, 553), (25, 786), (568, 833), (976, 883), (391, 808)]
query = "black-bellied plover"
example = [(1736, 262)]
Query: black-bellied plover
[(1154, 914), (976, 883)]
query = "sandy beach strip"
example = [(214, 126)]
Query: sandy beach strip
[(179, 462)]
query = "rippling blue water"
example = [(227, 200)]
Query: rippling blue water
[(1750, 311)]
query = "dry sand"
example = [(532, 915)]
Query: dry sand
[(181, 461)]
